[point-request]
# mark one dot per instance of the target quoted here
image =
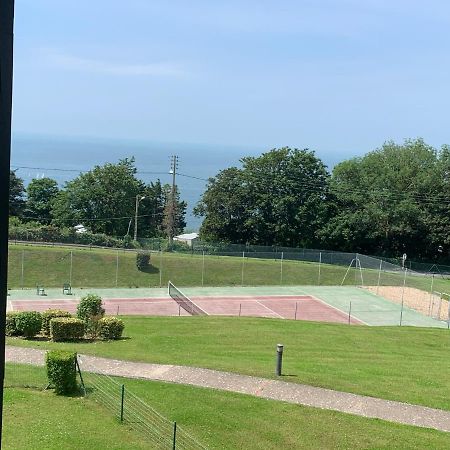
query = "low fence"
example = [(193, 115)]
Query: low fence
[(30, 266), (132, 411), (113, 394)]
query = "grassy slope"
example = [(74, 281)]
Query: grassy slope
[(50, 266), (220, 420), (405, 364)]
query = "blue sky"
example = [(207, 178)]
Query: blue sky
[(336, 76)]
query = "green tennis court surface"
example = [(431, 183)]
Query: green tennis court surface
[(360, 304)]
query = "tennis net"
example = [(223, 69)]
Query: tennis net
[(185, 302)]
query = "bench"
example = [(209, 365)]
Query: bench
[(40, 290), (67, 289)]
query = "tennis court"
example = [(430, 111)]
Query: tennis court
[(317, 303)]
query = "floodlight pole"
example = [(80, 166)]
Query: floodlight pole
[(6, 75)]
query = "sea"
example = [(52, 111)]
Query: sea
[(64, 158)]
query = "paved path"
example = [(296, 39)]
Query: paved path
[(261, 387)]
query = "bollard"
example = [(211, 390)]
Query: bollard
[(280, 348)]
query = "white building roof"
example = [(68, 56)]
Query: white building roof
[(187, 236)]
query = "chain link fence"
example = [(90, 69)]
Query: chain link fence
[(31, 266)]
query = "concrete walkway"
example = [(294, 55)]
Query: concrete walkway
[(261, 387)]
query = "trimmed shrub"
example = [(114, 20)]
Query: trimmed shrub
[(28, 323), (66, 329), (50, 314), (11, 327), (90, 310), (142, 260), (90, 306), (110, 328), (61, 370)]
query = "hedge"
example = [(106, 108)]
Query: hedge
[(61, 370), (142, 260), (28, 323), (110, 328), (66, 329), (11, 326), (51, 233), (50, 314)]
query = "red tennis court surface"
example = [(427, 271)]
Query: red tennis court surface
[(281, 307)]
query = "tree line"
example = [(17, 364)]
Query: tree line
[(103, 200), (391, 201)]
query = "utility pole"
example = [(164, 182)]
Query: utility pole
[(6, 76), (139, 197), (173, 201)]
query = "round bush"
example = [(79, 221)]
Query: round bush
[(66, 329), (61, 371), (28, 323), (110, 328), (50, 314), (142, 260), (11, 326), (90, 307)]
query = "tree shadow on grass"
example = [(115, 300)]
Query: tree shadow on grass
[(149, 269)]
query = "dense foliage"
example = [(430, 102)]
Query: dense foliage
[(16, 194), (11, 326), (66, 329), (48, 315), (90, 306), (142, 260), (28, 323), (110, 328), (278, 198), (393, 200), (61, 371), (103, 200), (41, 193)]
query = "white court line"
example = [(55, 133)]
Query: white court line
[(337, 309), (140, 302), (271, 310)]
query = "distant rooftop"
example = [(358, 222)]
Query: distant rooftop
[(187, 236)]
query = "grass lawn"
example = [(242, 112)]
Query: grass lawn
[(41, 420), (405, 364), (221, 420), (51, 267)]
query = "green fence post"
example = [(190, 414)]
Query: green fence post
[(174, 436), (122, 397)]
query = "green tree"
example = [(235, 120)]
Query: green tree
[(16, 194), (388, 201), (41, 193), (278, 198), (102, 199)]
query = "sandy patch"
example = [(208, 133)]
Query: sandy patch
[(422, 301)]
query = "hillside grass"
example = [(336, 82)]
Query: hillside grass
[(398, 363), (51, 267), (221, 420)]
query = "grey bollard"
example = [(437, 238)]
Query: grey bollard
[(280, 348)]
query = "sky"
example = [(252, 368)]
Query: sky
[(340, 77)]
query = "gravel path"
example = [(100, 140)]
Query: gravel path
[(261, 387)]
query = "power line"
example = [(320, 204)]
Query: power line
[(309, 186)]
